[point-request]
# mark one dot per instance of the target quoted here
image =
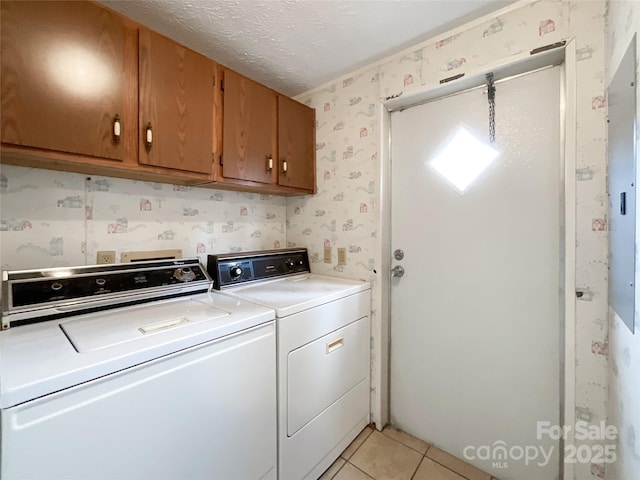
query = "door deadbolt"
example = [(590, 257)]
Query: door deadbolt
[(398, 254)]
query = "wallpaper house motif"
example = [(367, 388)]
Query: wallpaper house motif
[(52, 219), (55, 218), (348, 165)]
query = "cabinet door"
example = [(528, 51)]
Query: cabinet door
[(249, 130), (176, 105), (296, 141), (63, 77)]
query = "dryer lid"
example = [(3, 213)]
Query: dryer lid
[(290, 295)]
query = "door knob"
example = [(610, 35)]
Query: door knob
[(397, 271)]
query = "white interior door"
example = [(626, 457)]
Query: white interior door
[(476, 319)]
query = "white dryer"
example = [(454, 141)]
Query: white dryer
[(323, 332)]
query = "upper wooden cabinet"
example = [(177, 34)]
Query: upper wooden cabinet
[(63, 78), (267, 138), (297, 145), (176, 105), (87, 90), (249, 129)]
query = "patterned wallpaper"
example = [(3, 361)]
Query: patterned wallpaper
[(57, 219), (51, 219), (623, 407), (345, 213)]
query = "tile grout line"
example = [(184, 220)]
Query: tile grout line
[(338, 471), (445, 466), (356, 467), (418, 466), (408, 446), (423, 455), (429, 445), (358, 448)]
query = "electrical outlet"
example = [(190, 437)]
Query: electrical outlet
[(105, 256), (327, 254), (342, 256)]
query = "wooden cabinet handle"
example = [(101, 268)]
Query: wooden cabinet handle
[(269, 163), (284, 167), (116, 128), (148, 138)]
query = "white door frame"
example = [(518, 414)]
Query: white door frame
[(508, 67)]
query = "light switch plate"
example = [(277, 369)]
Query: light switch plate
[(327, 254), (342, 256)]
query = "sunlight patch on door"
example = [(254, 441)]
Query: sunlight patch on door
[(463, 158)]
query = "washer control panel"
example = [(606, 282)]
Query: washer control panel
[(32, 291), (232, 269)]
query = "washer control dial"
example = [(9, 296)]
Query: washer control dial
[(184, 274)]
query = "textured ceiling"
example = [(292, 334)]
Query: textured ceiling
[(295, 45)]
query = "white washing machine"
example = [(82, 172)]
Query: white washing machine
[(134, 371), (323, 331)]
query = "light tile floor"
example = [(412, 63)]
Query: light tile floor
[(396, 455)]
